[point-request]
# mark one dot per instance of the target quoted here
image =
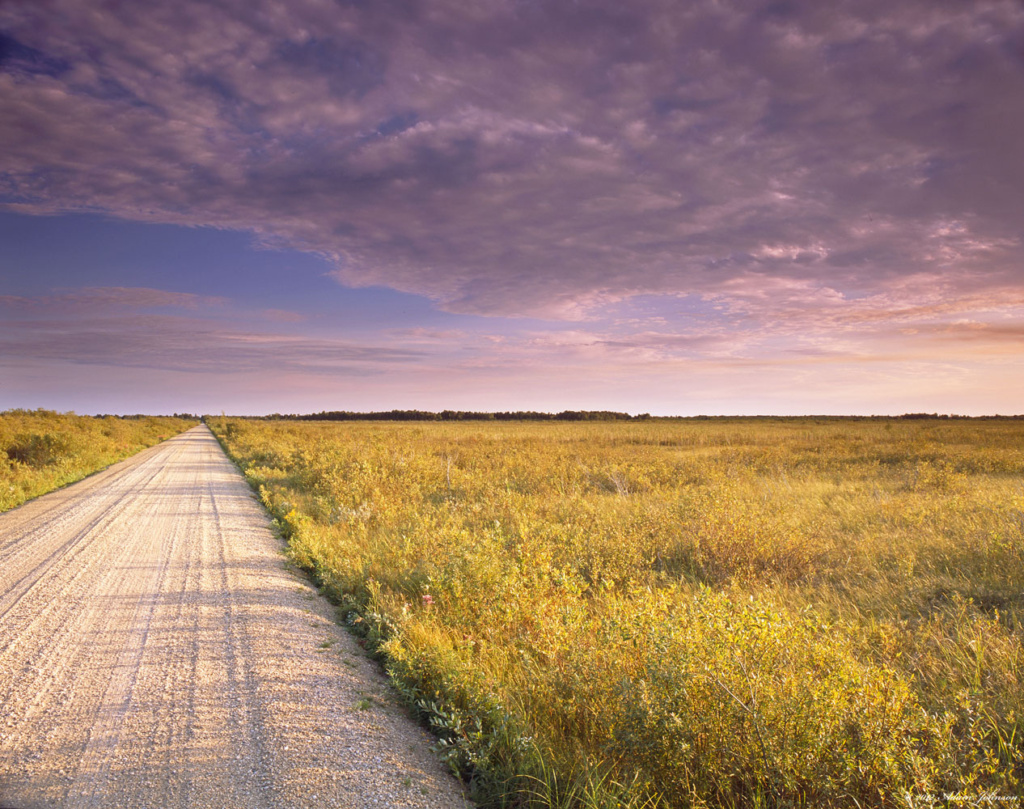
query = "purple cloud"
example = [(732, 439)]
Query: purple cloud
[(103, 299), (138, 328), (541, 158), (181, 344)]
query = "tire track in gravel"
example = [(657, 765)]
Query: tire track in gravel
[(155, 650), (40, 537)]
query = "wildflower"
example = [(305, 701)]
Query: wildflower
[(427, 600)]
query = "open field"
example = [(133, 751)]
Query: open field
[(41, 450), (680, 613)]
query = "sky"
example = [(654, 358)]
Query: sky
[(714, 207)]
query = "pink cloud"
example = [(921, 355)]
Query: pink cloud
[(543, 160), (100, 299)]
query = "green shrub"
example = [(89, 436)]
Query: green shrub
[(41, 450)]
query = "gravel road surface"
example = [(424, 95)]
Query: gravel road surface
[(156, 651)]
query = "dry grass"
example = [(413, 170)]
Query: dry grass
[(41, 450), (679, 613)]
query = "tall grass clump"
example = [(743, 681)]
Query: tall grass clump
[(737, 613), (41, 450)]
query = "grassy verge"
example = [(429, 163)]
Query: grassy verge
[(41, 450), (728, 613)]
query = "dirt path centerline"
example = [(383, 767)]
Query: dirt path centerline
[(155, 651)]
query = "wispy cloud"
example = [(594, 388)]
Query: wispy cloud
[(139, 328), (100, 299), (185, 344)]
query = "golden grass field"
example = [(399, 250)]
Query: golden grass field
[(679, 613), (41, 450)]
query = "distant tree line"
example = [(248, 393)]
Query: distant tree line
[(920, 416), (464, 415), (573, 415)]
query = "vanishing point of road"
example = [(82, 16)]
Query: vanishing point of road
[(156, 651)]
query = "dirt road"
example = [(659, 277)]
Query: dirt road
[(155, 651)]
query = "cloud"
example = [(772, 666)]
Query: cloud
[(139, 328), (539, 158), (282, 316), (100, 299), (186, 344)]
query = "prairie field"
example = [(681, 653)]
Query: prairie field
[(679, 613), (41, 450)]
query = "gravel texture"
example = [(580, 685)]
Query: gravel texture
[(156, 651)]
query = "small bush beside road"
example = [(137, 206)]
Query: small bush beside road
[(41, 450)]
